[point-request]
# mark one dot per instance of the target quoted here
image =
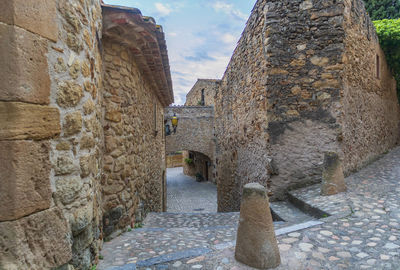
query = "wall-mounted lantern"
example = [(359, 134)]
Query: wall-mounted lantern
[(174, 122), (167, 130)]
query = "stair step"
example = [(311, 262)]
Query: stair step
[(191, 220), (289, 213)]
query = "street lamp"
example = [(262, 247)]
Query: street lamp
[(174, 122)]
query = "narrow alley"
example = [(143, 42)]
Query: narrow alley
[(185, 195)]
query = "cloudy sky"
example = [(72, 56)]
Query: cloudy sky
[(201, 35)]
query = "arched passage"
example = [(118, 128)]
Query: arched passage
[(191, 188)]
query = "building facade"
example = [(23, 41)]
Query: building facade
[(318, 82), (81, 125)]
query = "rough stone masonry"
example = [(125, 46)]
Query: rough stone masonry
[(303, 80), (79, 93)]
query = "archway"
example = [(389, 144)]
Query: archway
[(190, 184)]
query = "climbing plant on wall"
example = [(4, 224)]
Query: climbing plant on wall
[(389, 38), (383, 9)]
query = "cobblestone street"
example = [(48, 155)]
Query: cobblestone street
[(361, 230), (185, 195)]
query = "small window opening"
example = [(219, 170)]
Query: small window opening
[(202, 97), (378, 67), (155, 119)]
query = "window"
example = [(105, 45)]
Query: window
[(155, 118), (378, 67), (202, 97)]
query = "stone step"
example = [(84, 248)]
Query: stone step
[(190, 220), (289, 212)]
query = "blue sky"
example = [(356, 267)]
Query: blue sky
[(201, 35)]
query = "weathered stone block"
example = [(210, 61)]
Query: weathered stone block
[(87, 142), (83, 240), (81, 219), (39, 241), (256, 244), (68, 189), (24, 174), (24, 69), (28, 121), (69, 94), (64, 165), (88, 165), (36, 16), (114, 116), (332, 175), (72, 123), (88, 107)]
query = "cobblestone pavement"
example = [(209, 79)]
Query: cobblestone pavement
[(185, 195), (362, 231)]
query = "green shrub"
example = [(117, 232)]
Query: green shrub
[(383, 9), (188, 161), (138, 225), (389, 38)]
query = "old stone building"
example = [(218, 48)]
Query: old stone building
[(317, 81), (195, 137), (81, 128), (137, 87), (203, 93)]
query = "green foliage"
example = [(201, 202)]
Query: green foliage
[(188, 161), (383, 9), (389, 38), (101, 257), (138, 225), (94, 267)]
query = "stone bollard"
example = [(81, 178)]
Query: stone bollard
[(332, 175), (256, 244)]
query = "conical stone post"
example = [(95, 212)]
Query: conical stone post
[(256, 243), (332, 175)]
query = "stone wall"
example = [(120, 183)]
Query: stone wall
[(370, 122), (241, 117), (188, 169), (278, 114), (195, 133), (134, 135), (52, 134), (194, 98), (174, 160), (50, 138), (76, 74)]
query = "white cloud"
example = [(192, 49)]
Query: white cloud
[(163, 10), (228, 38), (172, 34), (229, 9), (185, 73)]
